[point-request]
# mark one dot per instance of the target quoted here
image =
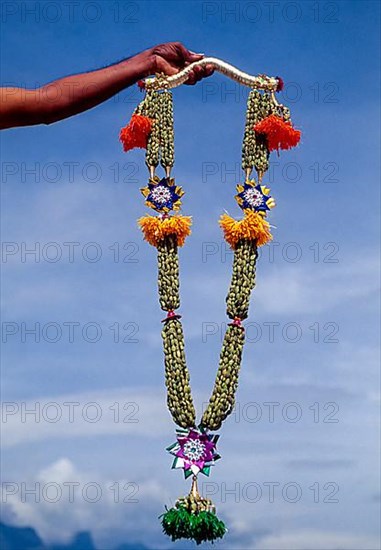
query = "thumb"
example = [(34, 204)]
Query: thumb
[(195, 56)]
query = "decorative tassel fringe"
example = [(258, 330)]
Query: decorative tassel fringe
[(179, 523), (155, 229), (193, 517), (279, 134), (136, 133), (253, 227)]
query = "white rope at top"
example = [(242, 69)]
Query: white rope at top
[(259, 82)]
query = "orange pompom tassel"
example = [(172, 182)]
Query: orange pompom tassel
[(155, 229), (279, 134), (252, 227), (136, 133)]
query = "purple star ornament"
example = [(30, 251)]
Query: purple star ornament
[(194, 451)]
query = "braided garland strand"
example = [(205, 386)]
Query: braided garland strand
[(166, 130), (243, 279), (179, 398), (168, 273), (151, 108), (222, 400), (255, 153)]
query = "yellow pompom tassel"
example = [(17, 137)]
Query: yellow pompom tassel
[(253, 226), (155, 229)]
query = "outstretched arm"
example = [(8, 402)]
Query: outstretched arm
[(74, 94)]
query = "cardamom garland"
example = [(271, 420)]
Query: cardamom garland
[(222, 400), (151, 107), (179, 398), (159, 106), (168, 273), (243, 279), (193, 516), (166, 130), (255, 153)]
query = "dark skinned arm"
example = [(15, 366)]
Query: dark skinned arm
[(75, 94)]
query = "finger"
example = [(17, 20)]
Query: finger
[(194, 76), (188, 55), (191, 80), (165, 67), (198, 73), (208, 70), (195, 56)]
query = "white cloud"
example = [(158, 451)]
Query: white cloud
[(297, 289), (60, 513), (123, 411), (317, 540), (71, 500)]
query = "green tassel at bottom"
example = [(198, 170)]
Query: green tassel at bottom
[(179, 523)]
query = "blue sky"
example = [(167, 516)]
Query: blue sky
[(317, 285)]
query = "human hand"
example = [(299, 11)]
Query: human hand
[(171, 57)]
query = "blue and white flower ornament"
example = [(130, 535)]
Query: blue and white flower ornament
[(163, 195), (252, 196)]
